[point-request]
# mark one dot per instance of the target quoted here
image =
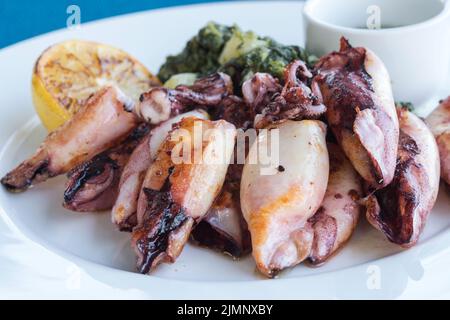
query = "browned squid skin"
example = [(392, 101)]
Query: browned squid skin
[(272, 103), (439, 123), (401, 209), (355, 87), (100, 124), (93, 186), (334, 222), (277, 204), (159, 104), (178, 195)]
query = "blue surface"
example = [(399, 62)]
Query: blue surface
[(22, 19)]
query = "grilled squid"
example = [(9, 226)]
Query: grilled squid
[(93, 186), (159, 104), (334, 222), (100, 124), (295, 100), (124, 210), (179, 188), (234, 110), (278, 199), (400, 210), (356, 89), (259, 91), (224, 228), (439, 123)]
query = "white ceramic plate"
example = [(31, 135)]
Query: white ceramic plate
[(368, 267)]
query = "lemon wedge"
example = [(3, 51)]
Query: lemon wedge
[(68, 73)]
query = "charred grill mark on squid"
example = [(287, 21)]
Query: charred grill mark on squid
[(163, 217), (176, 195), (96, 171), (401, 209), (93, 186), (355, 87), (125, 208)]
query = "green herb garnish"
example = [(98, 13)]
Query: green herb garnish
[(228, 49)]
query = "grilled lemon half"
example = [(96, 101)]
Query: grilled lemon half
[(68, 73)]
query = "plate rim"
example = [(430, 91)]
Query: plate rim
[(437, 241)]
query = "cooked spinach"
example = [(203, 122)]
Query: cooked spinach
[(201, 54), (271, 58), (228, 49)]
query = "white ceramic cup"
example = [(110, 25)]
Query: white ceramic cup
[(413, 42)]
